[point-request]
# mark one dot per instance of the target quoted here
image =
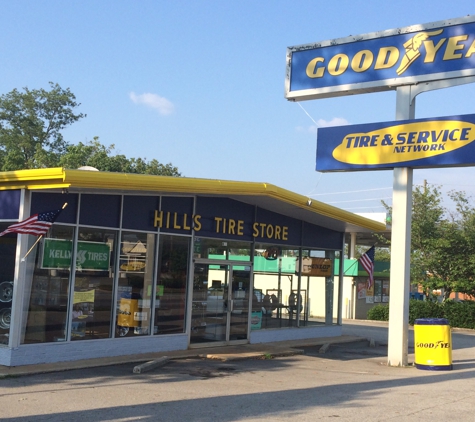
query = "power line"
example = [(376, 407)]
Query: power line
[(352, 191), (359, 200), (365, 208), (305, 111)]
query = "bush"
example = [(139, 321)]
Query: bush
[(424, 309), (459, 314), (379, 313)]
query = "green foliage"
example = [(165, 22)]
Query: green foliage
[(442, 243), (382, 255), (424, 309), (30, 126), (30, 136), (459, 314), (379, 313), (96, 155), (426, 235)]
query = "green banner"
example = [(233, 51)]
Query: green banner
[(91, 256)]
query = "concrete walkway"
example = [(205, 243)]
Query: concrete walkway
[(354, 332), (223, 353)]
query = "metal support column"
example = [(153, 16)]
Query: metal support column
[(352, 246), (400, 246)]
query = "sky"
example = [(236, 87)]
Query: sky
[(200, 84)]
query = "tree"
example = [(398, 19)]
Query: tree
[(30, 126), (442, 242), (426, 232), (382, 254), (30, 136), (96, 155), (464, 219)]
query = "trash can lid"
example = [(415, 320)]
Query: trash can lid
[(431, 321)]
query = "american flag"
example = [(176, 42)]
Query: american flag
[(36, 225), (367, 261)]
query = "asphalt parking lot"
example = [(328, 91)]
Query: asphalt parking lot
[(348, 382)]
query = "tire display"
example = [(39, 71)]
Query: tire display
[(6, 296), (5, 318), (6, 291)]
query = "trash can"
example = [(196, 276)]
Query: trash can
[(433, 344)]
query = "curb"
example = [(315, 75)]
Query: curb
[(249, 351)]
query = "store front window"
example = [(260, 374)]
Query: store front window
[(276, 287), (221, 249), (319, 288), (47, 287), (170, 291), (281, 302), (93, 287), (135, 284), (381, 291), (7, 269)]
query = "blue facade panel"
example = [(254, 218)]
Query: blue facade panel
[(100, 210), (138, 212), (9, 204), (41, 202)]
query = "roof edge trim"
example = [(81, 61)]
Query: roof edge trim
[(59, 177)]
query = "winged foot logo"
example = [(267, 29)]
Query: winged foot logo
[(412, 48)]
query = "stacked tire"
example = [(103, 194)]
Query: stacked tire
[(6, 296)]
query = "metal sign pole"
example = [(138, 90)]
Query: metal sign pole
[(443, 53), (400, 246)]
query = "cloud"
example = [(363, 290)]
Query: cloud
[(161, 104), (336, 121)]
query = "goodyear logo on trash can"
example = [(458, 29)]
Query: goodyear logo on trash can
[(439, 344)]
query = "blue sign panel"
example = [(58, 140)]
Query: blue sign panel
[(422, 143), (50, 201), (224, 218), (176, 215), (382, 61), (138, 212), (10, 204), (91, 203), (316, 236), (271, 227)]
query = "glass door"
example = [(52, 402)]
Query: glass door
[(220, 304), (239, 304)]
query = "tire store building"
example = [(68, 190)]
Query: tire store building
[(139, 263)]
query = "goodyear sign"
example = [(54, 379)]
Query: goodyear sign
[(423, 143), (381, 61)]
